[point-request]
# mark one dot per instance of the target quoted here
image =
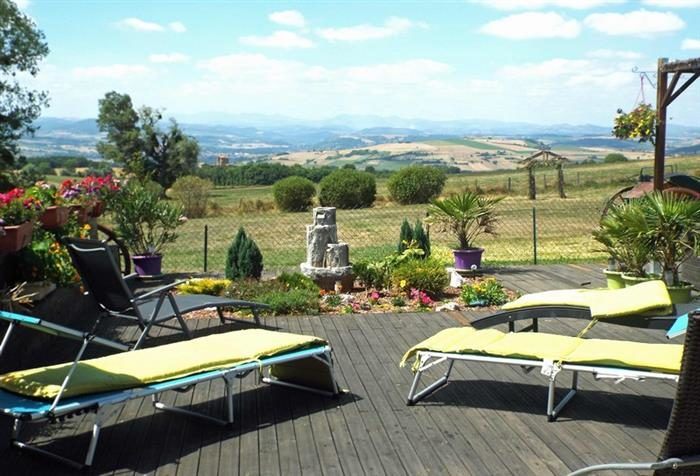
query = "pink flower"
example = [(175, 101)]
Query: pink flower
[(374, 296), (425, 300)]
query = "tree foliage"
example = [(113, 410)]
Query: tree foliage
[(347, 188), (135, 139), (244, 259), (22, 47), (260, 173), (416, 184), (293, 194)]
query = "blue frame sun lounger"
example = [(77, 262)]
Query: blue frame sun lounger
[(300, 362)]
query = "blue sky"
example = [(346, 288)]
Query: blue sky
[(539, 61)]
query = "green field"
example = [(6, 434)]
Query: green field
[(562, 226)]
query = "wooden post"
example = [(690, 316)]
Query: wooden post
[(532, 193), (660, 144), (560, 180)]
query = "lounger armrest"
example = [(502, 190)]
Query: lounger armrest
[(130, 276), (160, 290)]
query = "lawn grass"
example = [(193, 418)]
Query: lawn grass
[(562, 233)]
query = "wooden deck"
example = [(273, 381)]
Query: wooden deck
[(488, 420)]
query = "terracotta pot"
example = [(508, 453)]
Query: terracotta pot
[(468, 259), (54, 217), (98, 209), (81, 212), (16, 237)]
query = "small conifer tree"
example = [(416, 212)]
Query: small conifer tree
[(405, 236), (234, 253), (421, 238)]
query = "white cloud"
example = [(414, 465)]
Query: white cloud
[(690, 44), (392, 26), (140, 25), (672, 3), (553, 68), (642, 23), (279, 39), (22, 4), (177, 27), (411, 71), (532, 25), (114, 71), (537, 4), (288, 18), (169, 58), (614, 54)]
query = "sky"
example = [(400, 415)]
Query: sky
[(537, 61)]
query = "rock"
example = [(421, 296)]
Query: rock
[(448, 306)]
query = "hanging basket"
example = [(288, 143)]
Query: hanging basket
[(16, 237), (54, 217)]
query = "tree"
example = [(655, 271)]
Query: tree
[(22, 47), (614, 157), (136, 140)]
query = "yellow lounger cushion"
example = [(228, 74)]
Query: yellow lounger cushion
[(542, 346), (156, 364), (604, 303)]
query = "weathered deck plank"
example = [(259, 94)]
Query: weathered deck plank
[(488, 420)]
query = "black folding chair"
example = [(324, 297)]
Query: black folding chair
[(680, 452), (103, 280)]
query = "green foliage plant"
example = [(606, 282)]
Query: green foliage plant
[(294, 194), (421, 238), (193, 192), (143, 220), (483, 292), (282, 301), (615, 157), (377, 274), (23, 48), (639, 124), (297, 280), (244, 259), (674, 230), (47, 259), (405, 236), (347, 189), (624, 232), (466, 216), (416, 184), (212, 286), (423, 274)]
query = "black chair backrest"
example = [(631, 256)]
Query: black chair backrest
[(100, 273), (683, 432)]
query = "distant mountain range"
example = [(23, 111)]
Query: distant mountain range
[(249, 136)]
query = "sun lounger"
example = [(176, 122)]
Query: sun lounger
[(100, 385), (105, 283), (555, 354), (646, 305)]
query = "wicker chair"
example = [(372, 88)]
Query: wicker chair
[(680, 452)]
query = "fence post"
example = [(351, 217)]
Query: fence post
[(206, 246), (509, 185), (534, 235)]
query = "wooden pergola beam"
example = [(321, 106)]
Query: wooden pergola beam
[(685, 66)]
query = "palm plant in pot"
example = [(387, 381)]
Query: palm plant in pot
[(145, 222), (623, 234), (674, 229), (466, 216)]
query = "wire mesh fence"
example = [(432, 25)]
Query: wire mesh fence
[(545, 230)]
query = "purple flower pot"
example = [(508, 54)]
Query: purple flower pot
[(147, 265), (468, 259)]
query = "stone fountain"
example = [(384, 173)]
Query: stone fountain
[(327, 261)]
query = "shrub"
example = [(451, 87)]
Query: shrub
[(373, 274), (251, 289), (615, 157), (244, 259), (416, 184), (405, 236), (297, 281), (484, 292), (193, 192), (421, 238), (293, 194), (348, 188), (293, 301), (211, 286), (426, 275)]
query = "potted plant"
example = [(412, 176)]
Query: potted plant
[(17, 214), (145, 222), (55, 213), (466, 216), (79, 202), (674, 229), (99, 189)]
